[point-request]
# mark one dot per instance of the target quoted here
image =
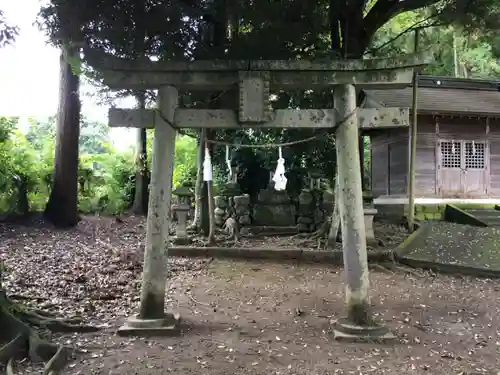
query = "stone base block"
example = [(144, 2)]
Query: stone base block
[(168, 326), (343, 330), (369, 214), (182, 240)]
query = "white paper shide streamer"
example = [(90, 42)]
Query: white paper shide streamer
[(228, 163), (279, 175), (207, 166)]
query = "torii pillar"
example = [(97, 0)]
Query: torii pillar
[(255, 78), (152, 318), (358, 324)]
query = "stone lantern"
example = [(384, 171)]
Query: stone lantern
[(369, 214), (181, 210)]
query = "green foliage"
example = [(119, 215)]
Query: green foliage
[(39, 132), (8, 32), (107, 182), (476, 51), (7, 126), (266, 29), (106, 176), (185, 160), (94, 137), (20, 161)]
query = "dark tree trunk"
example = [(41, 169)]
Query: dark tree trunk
[(218, 30), (62, 207), (349, 39), (205, 214), (361, 146), (140, 205), (22, 204), (141, 196)]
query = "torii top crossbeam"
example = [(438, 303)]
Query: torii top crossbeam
[(214, 75)]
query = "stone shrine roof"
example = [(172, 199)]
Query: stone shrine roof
[(445, 95)]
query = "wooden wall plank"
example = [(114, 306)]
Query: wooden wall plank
[(494, 165), (393, 146), (379, 164), (398, 163), (425, 168)]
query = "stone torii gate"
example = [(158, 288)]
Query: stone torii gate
[(254, 80)]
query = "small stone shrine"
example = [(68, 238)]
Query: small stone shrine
[(273, 208)]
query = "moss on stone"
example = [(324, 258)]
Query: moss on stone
[(455, 244), (473, 206), (152, 307), (420, 216), (412, 237), (360, 314)]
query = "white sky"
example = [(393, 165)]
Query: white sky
[(29, 73)]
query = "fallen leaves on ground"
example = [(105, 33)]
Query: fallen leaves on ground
[(245, 317), (92, 271)]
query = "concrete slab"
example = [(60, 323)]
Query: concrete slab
[(386, 338), (402, 200), (453, 248)]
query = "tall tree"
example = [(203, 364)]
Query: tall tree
[(62, 207), (16, 330), (140, 205)]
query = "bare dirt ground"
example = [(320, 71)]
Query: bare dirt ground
[(244, 317)]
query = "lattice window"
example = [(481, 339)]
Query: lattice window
[(474, 155), (451, 152)]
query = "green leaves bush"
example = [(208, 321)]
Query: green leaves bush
[(109, 180), (106, 176), (19, 161)]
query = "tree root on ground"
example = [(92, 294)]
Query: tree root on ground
[(319, 233), (392, 267), (54, 324), (23, 341)]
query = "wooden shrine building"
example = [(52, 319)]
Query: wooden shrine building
[(458, 143)]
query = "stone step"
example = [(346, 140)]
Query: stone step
[(484, 211), (486, 217), (489, 216), (272, 230), (492, 223), (495, 219)]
